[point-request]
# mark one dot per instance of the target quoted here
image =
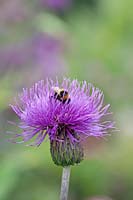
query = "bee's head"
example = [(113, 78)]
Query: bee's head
[(56, 89)]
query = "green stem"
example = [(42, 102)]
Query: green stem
[(65, 183)]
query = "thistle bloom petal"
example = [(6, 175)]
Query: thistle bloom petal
[(42, 114)]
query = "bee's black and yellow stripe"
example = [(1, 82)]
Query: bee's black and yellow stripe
[(62, 95)]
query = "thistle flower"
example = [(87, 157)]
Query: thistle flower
[(67, 112)]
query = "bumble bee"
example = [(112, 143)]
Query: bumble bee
[(61, 94)]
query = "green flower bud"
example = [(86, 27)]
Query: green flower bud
[(64, 152)]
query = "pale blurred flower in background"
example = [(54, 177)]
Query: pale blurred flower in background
[(100, 198), (13, 11), (56, 4), (42, 54), (48, 54)]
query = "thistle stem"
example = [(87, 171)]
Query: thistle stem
[(65, 183)]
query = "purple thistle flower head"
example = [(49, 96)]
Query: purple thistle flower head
[(67, 112)]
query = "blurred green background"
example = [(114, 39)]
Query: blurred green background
[(88, 40)]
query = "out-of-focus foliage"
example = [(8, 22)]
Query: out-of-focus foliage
[(86, 39)]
